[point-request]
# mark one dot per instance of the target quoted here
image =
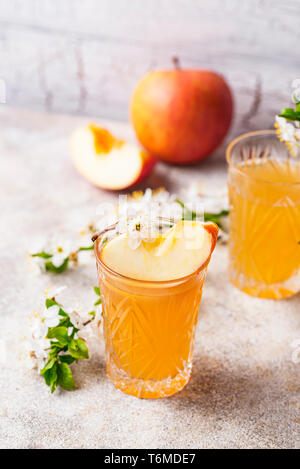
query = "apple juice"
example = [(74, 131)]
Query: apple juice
[(264, 245), (149, 325)]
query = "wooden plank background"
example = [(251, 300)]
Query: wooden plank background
[(84, 57)]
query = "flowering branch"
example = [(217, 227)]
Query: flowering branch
[(288, 122), (57, 255), (208, 216), (135, 215), (60, 338)]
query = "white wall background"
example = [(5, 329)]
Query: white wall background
[(85, 56)]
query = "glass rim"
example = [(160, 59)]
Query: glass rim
[(245, 136), (97, 237)]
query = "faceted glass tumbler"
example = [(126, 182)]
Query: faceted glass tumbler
[(149, 329), (264, 241)]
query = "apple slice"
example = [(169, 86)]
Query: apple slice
[(106, 161), (179, 252)]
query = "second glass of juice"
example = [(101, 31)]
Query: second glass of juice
[(149, 328), (264, 198)]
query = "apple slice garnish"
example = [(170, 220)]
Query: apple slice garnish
[(106, 161), (176, 253)]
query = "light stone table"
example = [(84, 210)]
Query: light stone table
[(244, 390)]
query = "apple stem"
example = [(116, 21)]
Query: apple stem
[(176, 63)]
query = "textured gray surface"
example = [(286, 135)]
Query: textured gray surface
[(244, 390)]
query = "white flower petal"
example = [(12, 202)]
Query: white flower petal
[(52, 322), (51, 312), (58, 259), (39, 330), (54, 291)]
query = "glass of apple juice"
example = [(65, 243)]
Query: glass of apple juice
[(264, 199), (151, 297)]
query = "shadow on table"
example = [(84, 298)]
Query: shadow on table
[(90, 372), (216, 389)]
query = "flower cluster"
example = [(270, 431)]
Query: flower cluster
[(60, 336), (135, 214), (57, 254), (288, 122)]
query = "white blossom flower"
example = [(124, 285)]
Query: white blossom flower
[(33, 350), (60, 250), (38, 327), (138, 214), (75, 318), (139, 228), (40, 352), (288, 133), (286, 128), (27, 355), (51, 317), (56, 250), (54, 292)]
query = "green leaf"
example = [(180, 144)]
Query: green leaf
[(50, 377), (97, 290), (65, 377), (208, 216), (50, 363), (57, 270), (78, 349), (92, 313), (50, 302), (42, 254), (59, 333), (55, 349), (186, 213), (63, 314), (89, 248), (98, 302), (67, 359), (215, 217), (290, 114)]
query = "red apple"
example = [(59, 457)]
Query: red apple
[(181, 116), (106, 161)]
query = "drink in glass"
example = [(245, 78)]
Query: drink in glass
[(264, 197), (151, 297)]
